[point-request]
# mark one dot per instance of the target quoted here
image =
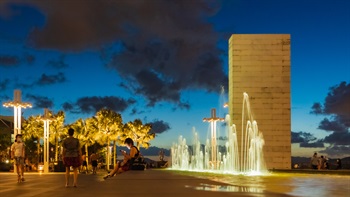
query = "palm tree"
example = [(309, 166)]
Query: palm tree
[(33, 127), (85, 133), (108, 123), (57, 130), (139, 132)]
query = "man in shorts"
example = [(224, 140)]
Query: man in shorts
[(93, 159)]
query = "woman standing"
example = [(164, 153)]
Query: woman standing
[(71, 156)]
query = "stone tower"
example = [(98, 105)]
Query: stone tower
[(259, 64)]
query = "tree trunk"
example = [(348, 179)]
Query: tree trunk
[(114, 153), (56, 150), (38, 150), (107, 155), (87, 154)]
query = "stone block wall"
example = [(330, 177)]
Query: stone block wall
[(259, 64)]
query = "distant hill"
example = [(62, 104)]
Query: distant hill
[(154, 151)]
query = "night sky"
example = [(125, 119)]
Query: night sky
[(166, 61)]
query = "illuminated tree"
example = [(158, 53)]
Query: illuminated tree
[(138, 132), (57, 130), (86, 132), (33, 128), (108, 123)]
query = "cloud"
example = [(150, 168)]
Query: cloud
[(95, 103), (4, 84), (44, 80), (4, 97), (332, 125), (336, 103), (58, 64), (9, 60), (338, 138), (302, 137), (306, 140), (40, 101), (317, 144), (14, 60), (51, 79), (160, 48), (29, 59), (337, 106), (337, 151), (159, 126)]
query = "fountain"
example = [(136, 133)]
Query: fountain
[(229, 159)]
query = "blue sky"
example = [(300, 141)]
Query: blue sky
[(82, 54)]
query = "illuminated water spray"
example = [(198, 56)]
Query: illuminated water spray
[(207, 157)]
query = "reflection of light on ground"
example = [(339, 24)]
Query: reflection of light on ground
[(251, 173), (226, 188), (305, 185)]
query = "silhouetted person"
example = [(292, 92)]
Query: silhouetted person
[(93, 159), (71, 156), (339, 164), (314, 161), (321, 163)]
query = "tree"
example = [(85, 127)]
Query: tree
[(85, 132), (57, 130), (108, 123), (138, 132), (5, 143), (33, 127)]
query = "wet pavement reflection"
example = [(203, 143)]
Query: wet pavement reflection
[(284, 184)]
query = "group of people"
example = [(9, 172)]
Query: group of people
[(93, 159), (321, 163), (72, 157)]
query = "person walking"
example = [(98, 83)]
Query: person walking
[(71, 156), (314, 161), (84, 167), (18, 153), (93, 159)]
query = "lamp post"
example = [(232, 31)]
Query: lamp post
[(212, 120), (17, 105), (46, 119)]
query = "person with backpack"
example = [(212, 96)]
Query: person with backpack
[(128, 159), (18, 153)]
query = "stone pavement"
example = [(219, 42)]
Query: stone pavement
[(148, 183)]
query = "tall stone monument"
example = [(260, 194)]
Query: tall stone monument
[(259, 64)]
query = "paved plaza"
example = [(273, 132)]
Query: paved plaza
[(150, 183)]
